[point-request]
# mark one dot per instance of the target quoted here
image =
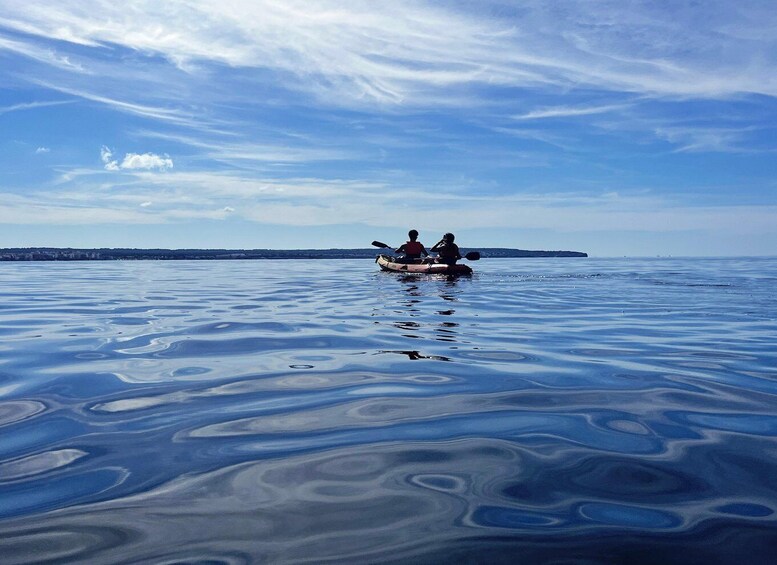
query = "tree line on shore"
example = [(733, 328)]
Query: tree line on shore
[(72, 254)]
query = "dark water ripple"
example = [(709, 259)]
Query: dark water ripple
[(541, 411)]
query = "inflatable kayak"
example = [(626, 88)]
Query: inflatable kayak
[(388, 263)]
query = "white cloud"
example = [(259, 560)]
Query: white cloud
[(42, 150), (147, 161), (135, 161), (106, 155)]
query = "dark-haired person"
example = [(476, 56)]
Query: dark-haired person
[(412, 248), (447, 251)]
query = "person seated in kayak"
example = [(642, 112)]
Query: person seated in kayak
[(447, 251), (412, 248)]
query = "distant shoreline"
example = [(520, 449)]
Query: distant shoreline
[(127, 254)]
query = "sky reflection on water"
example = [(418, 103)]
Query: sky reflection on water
[(597, 410)]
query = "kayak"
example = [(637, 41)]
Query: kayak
[(388, 263)]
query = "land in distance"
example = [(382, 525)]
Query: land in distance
[(104, 254)]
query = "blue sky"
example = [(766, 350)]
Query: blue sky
[(611, 127)]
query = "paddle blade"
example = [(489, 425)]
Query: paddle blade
[(473, 255), (381, 244)]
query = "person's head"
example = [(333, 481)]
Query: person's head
[(413, 235), (448, 237)]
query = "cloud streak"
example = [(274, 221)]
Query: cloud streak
[(40, 54), (170, 115), (569, 111), (32, 106)]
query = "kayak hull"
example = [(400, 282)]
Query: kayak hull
[(388, 263)]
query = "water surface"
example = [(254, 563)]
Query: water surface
[(540, 411)]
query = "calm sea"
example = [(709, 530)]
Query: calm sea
[(540, 411)]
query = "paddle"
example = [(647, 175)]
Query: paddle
[(471, 256)]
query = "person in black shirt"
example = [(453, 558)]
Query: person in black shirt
[(447, 251)]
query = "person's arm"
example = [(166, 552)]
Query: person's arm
[(400, 249), (424, 251), (437, 245)]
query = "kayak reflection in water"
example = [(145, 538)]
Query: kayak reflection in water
[(412, 249), (447, 251)]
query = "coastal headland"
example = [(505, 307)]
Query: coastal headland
[(124, 254)]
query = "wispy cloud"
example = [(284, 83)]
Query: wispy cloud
[(695, 139), (380, 58), (539, 135), (171, 115), (40, 54), (32, 105), (288, 149), (46, 210), (569, 111), (356, 52), (144, 197), (42, 150)]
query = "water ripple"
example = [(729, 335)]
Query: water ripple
[(592, 411)]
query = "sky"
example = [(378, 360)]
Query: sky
[(614, 127)]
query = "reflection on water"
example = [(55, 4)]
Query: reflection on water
[(597, 411), (416, 355)]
